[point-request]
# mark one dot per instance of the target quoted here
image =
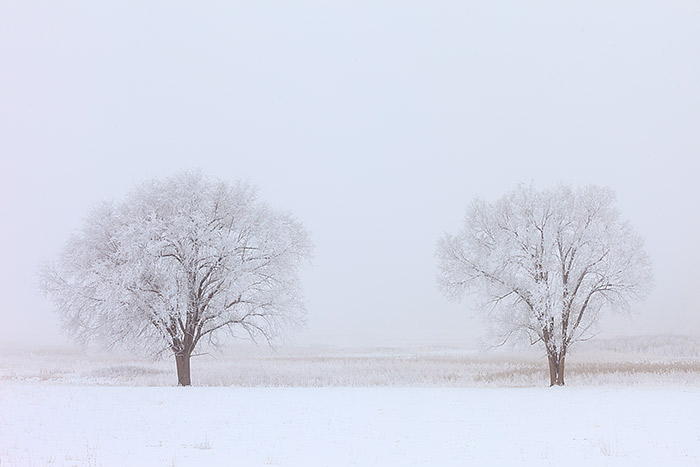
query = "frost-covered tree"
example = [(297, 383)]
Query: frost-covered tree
[(181, 262), (545, 264)]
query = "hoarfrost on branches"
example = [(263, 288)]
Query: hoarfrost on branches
[(546, 263), (181, 262)]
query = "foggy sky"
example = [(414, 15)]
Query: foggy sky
[(375, 123)]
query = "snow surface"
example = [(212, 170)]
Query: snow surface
[(60, 425), (632, 402)]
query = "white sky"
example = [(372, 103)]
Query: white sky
[(374, 122)]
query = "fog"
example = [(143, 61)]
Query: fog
[(374, 123)]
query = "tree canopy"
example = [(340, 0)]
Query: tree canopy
[(180, 262), (546, 263)]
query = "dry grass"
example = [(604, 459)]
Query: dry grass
[(661, 363), (203, 445)]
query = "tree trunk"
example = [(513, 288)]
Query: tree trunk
[(560, 371), (552, 370), (182, 361), (556, 370)]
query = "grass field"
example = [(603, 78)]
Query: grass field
[(649, 361)]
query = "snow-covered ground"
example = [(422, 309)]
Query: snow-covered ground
[(631, 404), (46, 424)]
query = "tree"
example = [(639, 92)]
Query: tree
[(545, 264), (180, 262)]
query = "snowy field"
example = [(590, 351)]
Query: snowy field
[(89, 426), (632, 403)]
